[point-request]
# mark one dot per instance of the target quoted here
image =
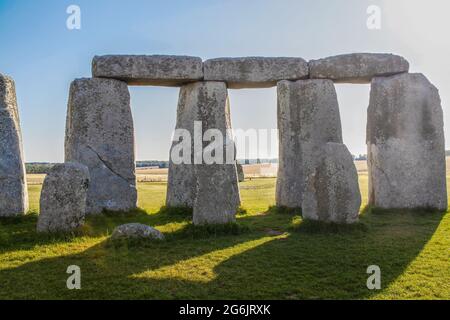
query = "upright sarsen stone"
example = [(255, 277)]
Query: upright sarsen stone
[(308, 117), (63, 198), (331, 186), (405, 142), (181, 182), (13, 185), (210, 188), (99, 134)]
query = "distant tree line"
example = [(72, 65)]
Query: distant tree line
[(38, 167)]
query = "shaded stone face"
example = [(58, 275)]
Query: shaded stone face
[(331, 186), (308, 117), (255, 72), (357, 67), (63, 198), (99, 134), (211, 189), (157, 70), (13, 185), (405, 142)]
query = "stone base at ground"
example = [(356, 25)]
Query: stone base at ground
[(99, 134), (331, 187), (13, 185), (405, 141), (63, 198)]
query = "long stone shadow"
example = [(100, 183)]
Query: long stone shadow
[(19, 233), (305, 263)]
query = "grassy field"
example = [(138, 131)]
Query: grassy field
[(271, 255)]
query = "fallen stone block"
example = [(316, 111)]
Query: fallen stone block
[(136, 231)]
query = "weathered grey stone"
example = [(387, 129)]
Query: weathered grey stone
[(255, 72), (405, 141), (158, 70), (63, 198), (357, 67), (211, 188), (308, 117), (331, 186), (99, 134), (136, 231), (240, 172), (13, 184)]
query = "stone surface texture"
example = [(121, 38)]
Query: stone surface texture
[(63, 198), (405, 141), (255, 72), (308, 117), (99, 134), (211, 189), (13, 184), (158, 70), (136, 231), (331, 186), (357, 67)]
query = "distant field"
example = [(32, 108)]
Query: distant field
[(298, 261), (160, 175)]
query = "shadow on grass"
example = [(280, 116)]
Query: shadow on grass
[(309, 261)]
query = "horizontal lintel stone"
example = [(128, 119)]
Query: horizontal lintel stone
[(357, 67), (158, 70), (255, 72)]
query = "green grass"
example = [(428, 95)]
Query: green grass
[(267, 254)]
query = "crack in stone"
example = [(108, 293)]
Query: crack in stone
[(107, 165)]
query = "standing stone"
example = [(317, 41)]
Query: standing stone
[(308, 117), (99, 134), (331, 186), (13, 185), (240, 172), (158, 70), (63, 198), (405, 142), (255, 72), (181, 182), (210, 188), (357, 67)]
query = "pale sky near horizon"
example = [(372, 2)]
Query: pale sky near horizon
[(43, 56)]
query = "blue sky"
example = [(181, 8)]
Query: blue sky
[(43, 56)]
